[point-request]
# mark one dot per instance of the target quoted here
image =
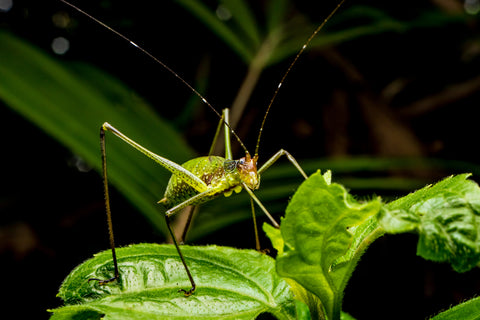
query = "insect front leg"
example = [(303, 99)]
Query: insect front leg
[(172, 211), (276, 156), (257, 201), (265, 166)]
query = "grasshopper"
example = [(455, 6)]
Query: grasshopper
[(204, 178)]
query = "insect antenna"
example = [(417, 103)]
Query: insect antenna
[(305, 45), (166, 67)]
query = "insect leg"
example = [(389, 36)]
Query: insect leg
[(255, 228), (265, 166), (228, 146), (108, 210), (192, 282), (254, 197), (217, 133), (188, 177), (170, 212), (184, 174), (224, 121), (276, 156)]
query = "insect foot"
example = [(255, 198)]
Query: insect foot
[(188, 293)]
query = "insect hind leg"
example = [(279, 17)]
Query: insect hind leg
[(108, 212)]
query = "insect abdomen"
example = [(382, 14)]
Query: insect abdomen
[(210, 170)]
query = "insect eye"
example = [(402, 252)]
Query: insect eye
[(241, 161)]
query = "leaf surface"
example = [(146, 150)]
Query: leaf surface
[(231, 284), (447, 218)]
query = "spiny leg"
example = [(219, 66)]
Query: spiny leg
[(108, 211), (190, 178), (194, 182)]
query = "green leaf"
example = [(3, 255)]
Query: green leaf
[(70, 101), (302, 311), (469, 310), (245, 19), (373, 22), (275, 13), (324, 232), (218, 27), (313, 303), (275, 237), (231, 284), (346, 316), (447, 218)]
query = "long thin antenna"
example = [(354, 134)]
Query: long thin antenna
[(151, 56), (317, 30)]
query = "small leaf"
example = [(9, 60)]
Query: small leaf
[(275, 237), (447, 218), (324, 233), (231, 284)]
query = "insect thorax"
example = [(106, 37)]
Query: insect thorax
[(217, 172)]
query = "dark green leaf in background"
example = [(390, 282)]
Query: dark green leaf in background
[(71, 101)]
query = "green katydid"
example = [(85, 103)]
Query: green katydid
[(205, 178)]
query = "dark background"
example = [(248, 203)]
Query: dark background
[(394, 94)]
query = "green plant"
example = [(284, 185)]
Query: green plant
[(321, 239)]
